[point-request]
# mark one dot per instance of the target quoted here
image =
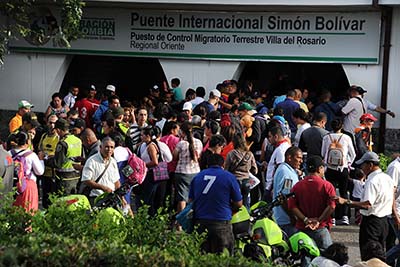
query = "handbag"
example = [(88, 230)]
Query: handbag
[(160, 172), (185, 218), (85, 189)]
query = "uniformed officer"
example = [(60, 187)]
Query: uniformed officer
[(48, 143), (68, 149)]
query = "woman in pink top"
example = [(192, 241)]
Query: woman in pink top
[(171, 139), (34, 165)]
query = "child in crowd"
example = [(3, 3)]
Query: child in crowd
[(358, 186)]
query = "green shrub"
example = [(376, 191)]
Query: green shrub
[(384, 161), (63, 238)]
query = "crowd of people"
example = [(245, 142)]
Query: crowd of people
[(215, 148)]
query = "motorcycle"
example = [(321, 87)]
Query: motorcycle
[(258, 237)]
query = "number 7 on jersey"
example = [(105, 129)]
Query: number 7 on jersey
[(211, 180)]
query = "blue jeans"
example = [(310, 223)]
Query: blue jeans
[(323, 239), (394, 253), (321, 236)]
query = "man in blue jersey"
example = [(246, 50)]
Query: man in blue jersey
[(215, 193), (285, 177)]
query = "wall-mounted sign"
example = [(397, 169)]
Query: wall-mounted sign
[(345, 37)]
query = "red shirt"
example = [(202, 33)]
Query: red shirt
[(86, 110), (313, 195), (228, 148)]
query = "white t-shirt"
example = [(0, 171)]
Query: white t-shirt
[(353, 110), (278, 156), (357, 188), (34, 166), (166, 154), (378, 190), (93, 168), (347, 146), (299, 132), (393, 171), (121, 154)]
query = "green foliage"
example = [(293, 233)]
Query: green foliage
[(384, 161), (17, 17), (61, 237)]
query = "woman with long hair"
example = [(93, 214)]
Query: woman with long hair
[(187, 153), (152, 152), (33, 166), (57, 107), (211, 128), (240, 162)]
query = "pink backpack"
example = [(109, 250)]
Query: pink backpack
[(135, 170)]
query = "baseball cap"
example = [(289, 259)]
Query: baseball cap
[(24, 104), (61, 124), (368, 156), (111, 88), (368, 116), (187, 106), (245, 106), (92, 88), (256, 94), (227, 82), (314, 162), (357, 88), (31, 118), (155, 88), (78, 123), (215, 92)]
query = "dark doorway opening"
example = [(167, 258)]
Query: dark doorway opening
[(277, 77), (133, 77)]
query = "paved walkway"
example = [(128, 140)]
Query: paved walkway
[(349, 236)]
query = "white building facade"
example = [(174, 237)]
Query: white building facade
[(206, 41)]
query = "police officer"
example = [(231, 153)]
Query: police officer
[(48, 143), (68, 149)]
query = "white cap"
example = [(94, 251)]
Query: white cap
[(110, 88), (216, 93), (187, 106)]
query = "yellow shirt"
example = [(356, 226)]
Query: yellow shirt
[(15, 123), (303, 106)]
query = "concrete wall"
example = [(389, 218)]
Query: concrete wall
[(34, 77)]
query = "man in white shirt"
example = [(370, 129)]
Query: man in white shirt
[(357, 106), (376, 202), (393, 171), (70, 98), (277, 139), (104, 165)]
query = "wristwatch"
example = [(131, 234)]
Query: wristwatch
[(349, 202), (305, 220)]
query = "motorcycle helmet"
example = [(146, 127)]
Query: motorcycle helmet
[(302, 242)]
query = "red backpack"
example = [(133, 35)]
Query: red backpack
[(135, 170), (19, 159)]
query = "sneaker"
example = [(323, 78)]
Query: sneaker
[(343, 221), (333, 222)]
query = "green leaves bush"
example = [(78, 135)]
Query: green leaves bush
[(61, 237)]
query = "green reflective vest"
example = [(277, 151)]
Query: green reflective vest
[(74, 150)]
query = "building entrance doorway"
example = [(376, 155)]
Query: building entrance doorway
[(133, 77), (277, 77)]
